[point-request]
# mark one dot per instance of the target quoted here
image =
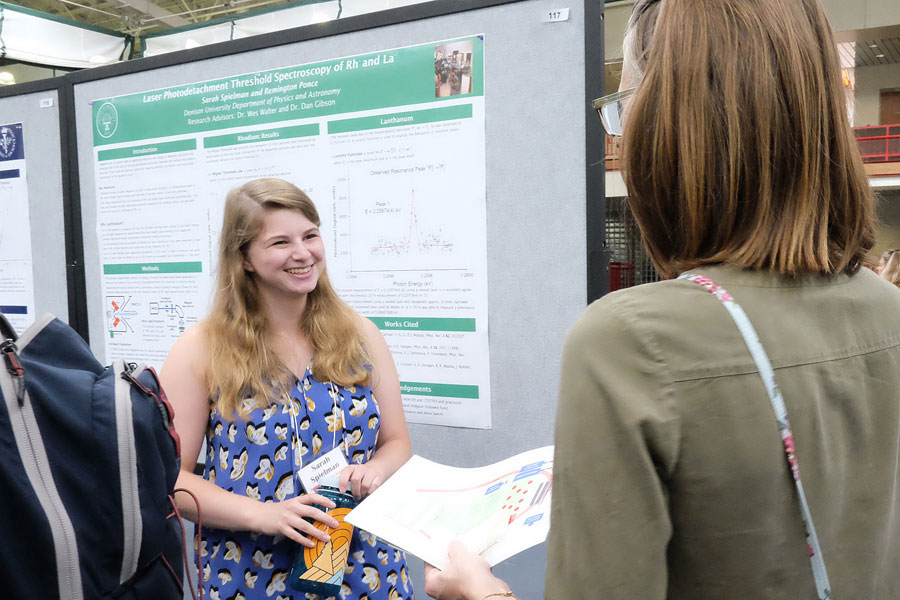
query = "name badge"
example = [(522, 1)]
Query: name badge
[(323, 471)]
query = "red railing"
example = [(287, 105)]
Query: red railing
[(613, 152), (621, 275), (879, 143)]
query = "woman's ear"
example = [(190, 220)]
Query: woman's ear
[(247, 266)]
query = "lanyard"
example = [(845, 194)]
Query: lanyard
[(295, 429), (784, 426)]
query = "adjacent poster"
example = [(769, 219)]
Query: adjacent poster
[(16, 275), (391, 147)]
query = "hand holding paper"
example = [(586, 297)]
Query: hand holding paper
[(496, 511)]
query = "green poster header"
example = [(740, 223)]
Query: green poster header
[(434, 72), (422, 324), (445, 390), (153, 268), (413, 117), (147, 150), (267, 135)]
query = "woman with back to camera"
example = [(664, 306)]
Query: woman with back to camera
[(672, 476), (279, 374)]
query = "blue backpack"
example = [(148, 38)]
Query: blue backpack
[(90, 458)]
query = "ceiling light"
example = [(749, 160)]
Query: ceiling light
[(7, 78), (879, 56)]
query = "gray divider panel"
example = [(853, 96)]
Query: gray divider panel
[(535, 188)]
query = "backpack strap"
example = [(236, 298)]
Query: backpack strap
[(6, 330), (132, 524), (131, 374), (14, 368), (33, 454), (11, 361)]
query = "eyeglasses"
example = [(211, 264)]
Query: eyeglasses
[(611, 109)]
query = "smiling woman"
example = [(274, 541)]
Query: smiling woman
[(272, 218), (281, 374), (287, 256)]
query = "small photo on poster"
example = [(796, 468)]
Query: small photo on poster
[(453, 69)]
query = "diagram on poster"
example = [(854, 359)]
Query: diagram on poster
[(118, 314)]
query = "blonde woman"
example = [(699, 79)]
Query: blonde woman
[(278, 375)]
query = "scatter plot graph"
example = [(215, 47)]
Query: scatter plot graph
[(405, 227), (414, 240)]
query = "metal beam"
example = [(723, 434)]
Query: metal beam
[(148, 9)]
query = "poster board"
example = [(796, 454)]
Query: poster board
[(32, 231), (534, 182)]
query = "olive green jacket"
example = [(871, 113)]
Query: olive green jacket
[(670, 480)]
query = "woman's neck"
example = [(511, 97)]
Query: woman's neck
[(283, 313), (285, 335)]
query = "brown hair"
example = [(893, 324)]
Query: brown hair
[(737, 146), (241, 360)]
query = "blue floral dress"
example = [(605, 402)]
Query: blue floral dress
[(257, 457)]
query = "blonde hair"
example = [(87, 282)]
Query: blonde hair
[(737, 146), (242, 362), (891, 268)]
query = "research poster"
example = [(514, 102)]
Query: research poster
[(16, 275), (391, 147)]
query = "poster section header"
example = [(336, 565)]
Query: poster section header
[(445, 390), (153, 268), (147, 149), (267, 135), (397, 77), (424, 324), (413, 117)]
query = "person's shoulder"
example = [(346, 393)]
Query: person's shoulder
[(198, 333), (365, 324), (627, 316), (644, 296), (630, 305), (869, 284), (366, 327), (667, 322), (190, 353), (193, 344), (370, 335), (873, 298)]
